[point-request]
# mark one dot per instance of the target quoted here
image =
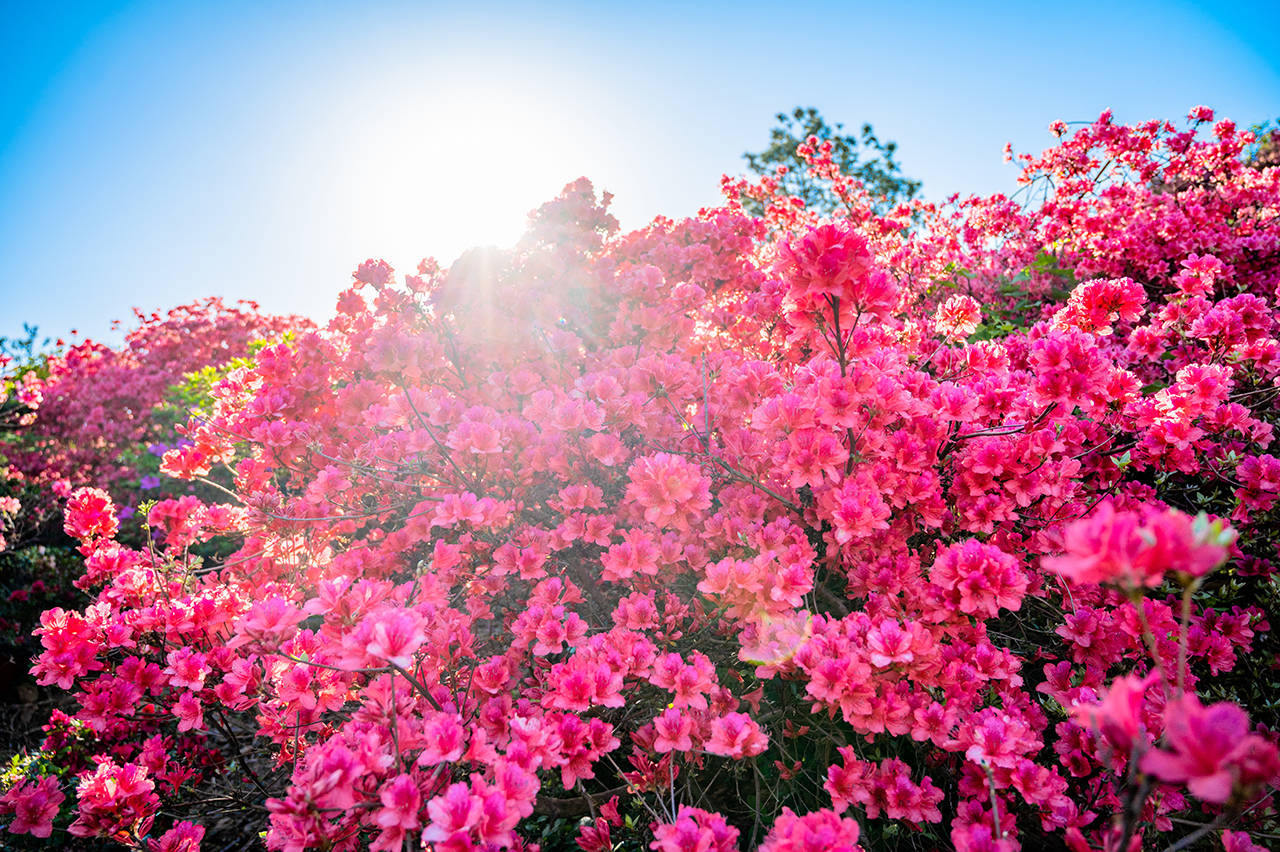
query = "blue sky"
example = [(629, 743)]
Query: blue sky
[(156, 152)]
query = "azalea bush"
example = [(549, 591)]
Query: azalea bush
[(950, 526), (89, 414), (82, 413)]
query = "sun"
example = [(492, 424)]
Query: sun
[(438, 172)]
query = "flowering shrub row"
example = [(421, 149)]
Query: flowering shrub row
[(947, 528), (91, 414)]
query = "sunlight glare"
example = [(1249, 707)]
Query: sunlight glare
[(457, 169)]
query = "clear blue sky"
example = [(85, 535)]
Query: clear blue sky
[(156, 152)]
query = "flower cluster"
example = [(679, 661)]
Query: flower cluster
[(732, 532)]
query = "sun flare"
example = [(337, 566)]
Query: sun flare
[(458, 168)]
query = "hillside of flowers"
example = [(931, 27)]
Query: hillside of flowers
[(951, 527)]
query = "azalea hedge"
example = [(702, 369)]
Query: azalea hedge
[(951, 527)]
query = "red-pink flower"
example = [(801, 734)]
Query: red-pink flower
[(90, 514), (1137, 549), (269, 621), (1239, 841), (736, 735), (401, 800), (820, 831), (836, 261), (695, 830), (595, 837), (1211, 750), (1118, 716), (396, 635), (183, 837), (187, 669), (672, 731), (454, 812), (957, 317), (444, 738), (375, 272), (889, 643), (189, 711), (979, 578), (115, 798), (33, 806), (1094, 305), (668, 488)]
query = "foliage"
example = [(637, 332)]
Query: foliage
[(774, 532), (861, 157)]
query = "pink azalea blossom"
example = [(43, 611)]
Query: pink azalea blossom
[(1211, 750), (33, 806)]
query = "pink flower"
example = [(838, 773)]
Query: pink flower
[(957, 317), (497, 817), (889, 643), (824, 260), (1118, 717), (113, 799), (445, 739), (736, 735), (856, 508), (1211, 750), (90, 514), (595, 837), (820, 831), (1260, 482), (186, 462), (270, 621), (189, 712), (835, 261), (672, 729), (996, 738), (689, 681), (886, 789), (979, 578), (695, 830), (1239, 841), (669, 489), (401, 800), (187, 669), (1094, 305), (453, 813), (375, 272), (183, 837), (1133, 549), (396, 635), (1200, 114), (34, 806)]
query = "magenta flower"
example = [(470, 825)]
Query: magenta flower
[(1118, 716), (736, 735), (1211, 750), (34, 806), (1137, 549)]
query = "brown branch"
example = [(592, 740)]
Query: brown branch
[(578, 806)]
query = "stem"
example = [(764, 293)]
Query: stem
[(1198, 833), (1148, 638), (419, 688), (1187, 593), (1133, 812), (755, 805), (995, 800), (225, 727)]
